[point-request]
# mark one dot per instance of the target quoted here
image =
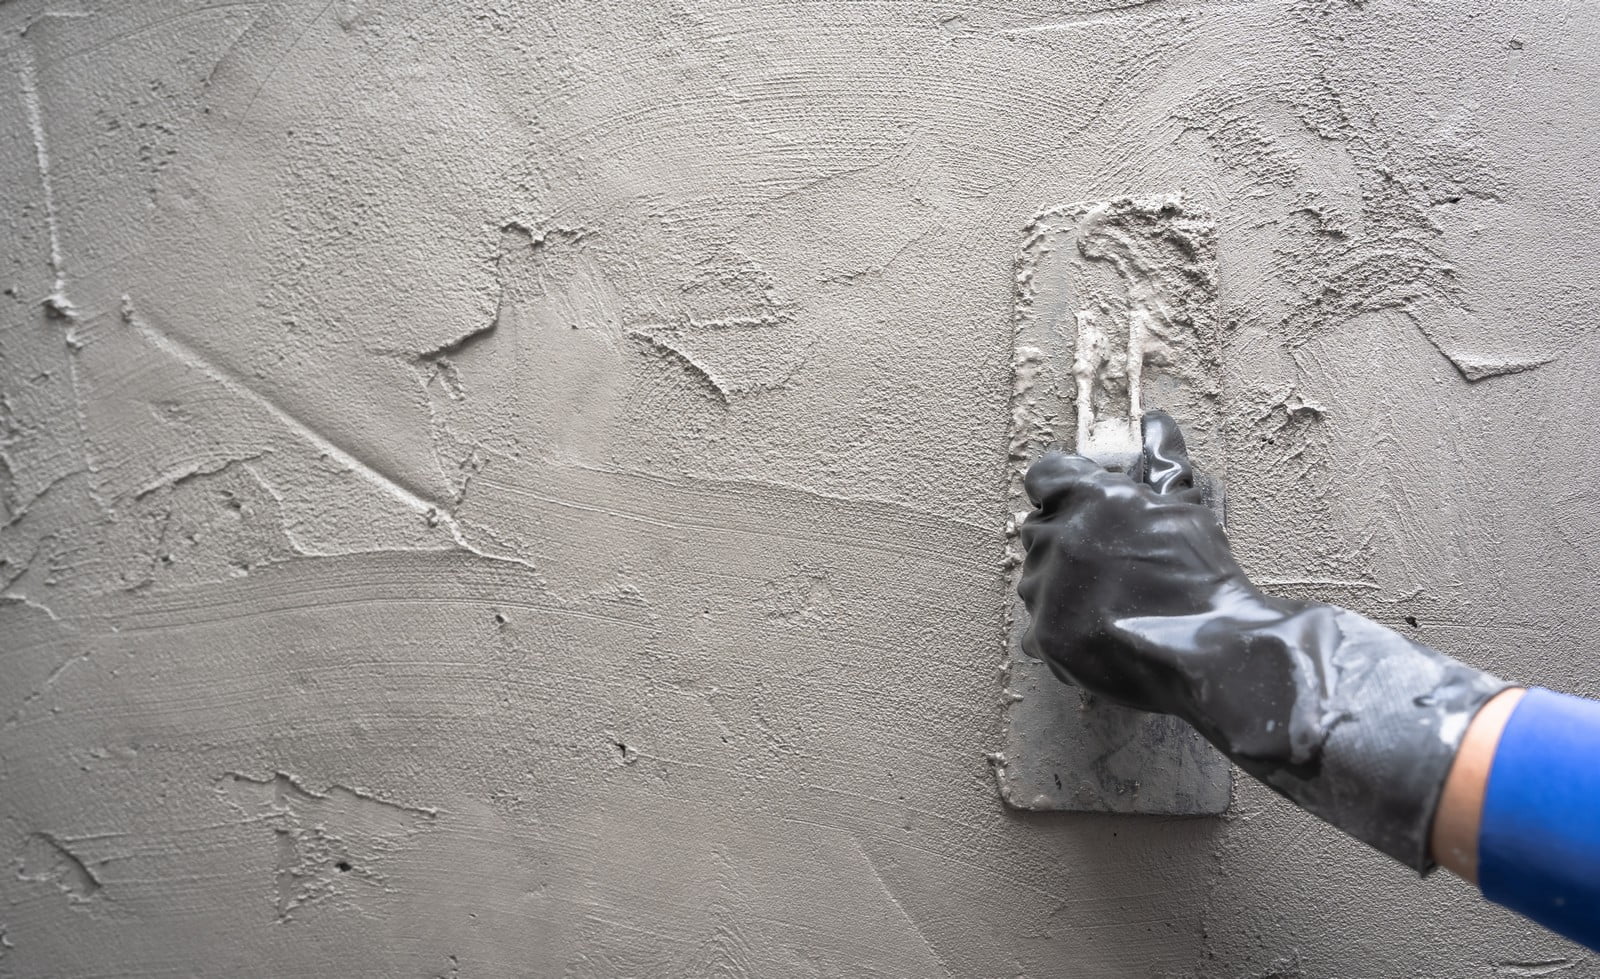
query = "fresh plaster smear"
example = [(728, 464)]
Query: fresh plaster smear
[(547, 456)]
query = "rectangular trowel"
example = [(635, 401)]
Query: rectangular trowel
[(1116, 312)]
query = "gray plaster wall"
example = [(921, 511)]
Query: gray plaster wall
[(510, 488)]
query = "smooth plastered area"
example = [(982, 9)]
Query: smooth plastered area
[(518, 488)]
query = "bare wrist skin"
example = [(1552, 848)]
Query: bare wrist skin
[(1454, 840)]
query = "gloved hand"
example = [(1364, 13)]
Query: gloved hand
[(1134, 595)]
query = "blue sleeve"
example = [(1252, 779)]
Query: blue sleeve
[(1539, 842)]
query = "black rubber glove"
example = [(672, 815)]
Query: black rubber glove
[(1135, 596)]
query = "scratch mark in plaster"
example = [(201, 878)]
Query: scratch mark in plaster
[(55, 674), (1283, 967), (813, 183), (1102, 15), (181, 474), (22, 509), (753, 321), (184, 354), (358, 72), (433, 512), (279, 61), (877, 875), (876, 271), (1532, 967), (47, 859), (29, 602), (56, 304), (461, 343), (101, 43), (205, 83)]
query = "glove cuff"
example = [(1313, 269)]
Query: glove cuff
[(1384, 716)]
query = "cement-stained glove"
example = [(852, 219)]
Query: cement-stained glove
[(1135, 596)]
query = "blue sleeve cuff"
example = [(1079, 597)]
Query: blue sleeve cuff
[(1539, 841)]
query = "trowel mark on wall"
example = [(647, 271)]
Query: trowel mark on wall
[(178, 350), (56, 305), (322, 839), (454, 972), (1361, 233), (1527, 968), (1479, 369), (1287, 447), (46, 859), (460, 457), (664, 346), (284, 792), (1241, 138), (728, 327), (394, 490), (519, 244), (200, 525), (803, 596), (1289, 431), (678, 343)]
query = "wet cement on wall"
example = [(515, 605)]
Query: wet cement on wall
[(516, 488)]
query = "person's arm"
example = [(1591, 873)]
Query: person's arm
[(1538, 835), (1133, 594), (1455, 825)]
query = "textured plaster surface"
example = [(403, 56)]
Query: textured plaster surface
[(518, 488)]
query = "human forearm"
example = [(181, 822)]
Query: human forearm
[(1454, 839), (1538, 836)]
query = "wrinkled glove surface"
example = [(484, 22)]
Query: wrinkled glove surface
[(1135, 596)]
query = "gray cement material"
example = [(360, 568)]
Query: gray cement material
[(512, 489)]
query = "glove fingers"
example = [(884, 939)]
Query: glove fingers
[(1166, 459), (1055, 477)]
